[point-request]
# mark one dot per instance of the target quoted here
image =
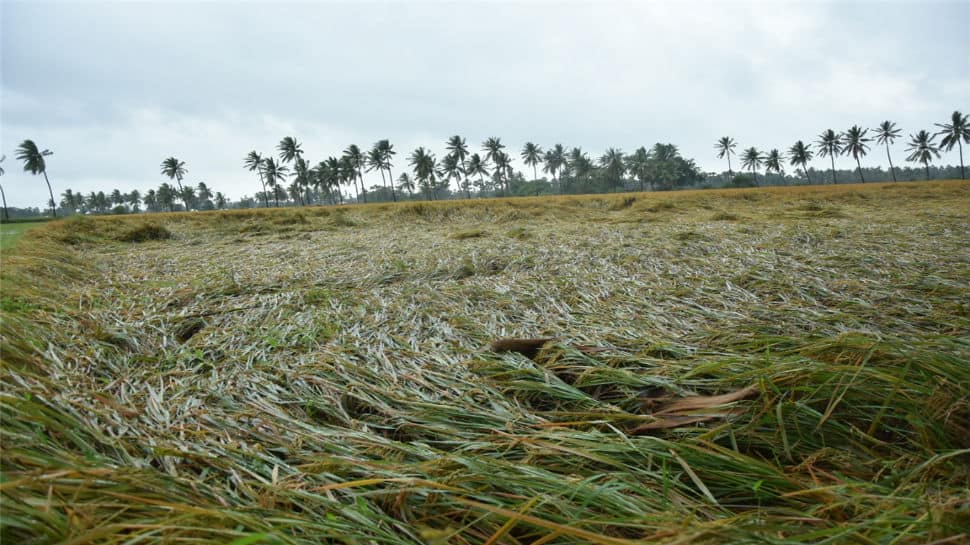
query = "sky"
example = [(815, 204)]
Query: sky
[(114, 88)]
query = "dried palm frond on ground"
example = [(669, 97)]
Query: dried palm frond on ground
[(317, 376)]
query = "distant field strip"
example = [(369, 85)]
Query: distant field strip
[(321, 375)]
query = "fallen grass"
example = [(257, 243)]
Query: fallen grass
[(321, 375)]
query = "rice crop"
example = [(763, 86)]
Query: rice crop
[(324, 375)]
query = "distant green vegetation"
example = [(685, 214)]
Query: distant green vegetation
[(327, 374), (10, 232)]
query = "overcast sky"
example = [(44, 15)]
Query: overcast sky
[(114, 88)]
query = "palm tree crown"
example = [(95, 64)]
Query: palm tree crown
[(725, 148), (830, 144), (886, 134), (752, 159), (34, 163), (922, 149), (800, 154), (957, 131), (856, 145), (532, 156)]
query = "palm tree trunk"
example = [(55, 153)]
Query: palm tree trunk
[(6, 216), (265, 197), (860, 170), (891, 169), (832, 157), (391, 178), (535, 173), (962, 175), (755, 174), (729, 163), (807, 177), (927, 165), (53, 209), (360, 176)]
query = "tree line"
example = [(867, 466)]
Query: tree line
[(288, 178), (854, 142)]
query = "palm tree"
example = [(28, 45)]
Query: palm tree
[(134, 199), (580, 164), (405, 181), (725, 148), (335, 176), (532, 156), (451, 169), (34, 162), (166, 196), (254, 161), (554, 160), (423, 163), (830, 144), (799, 155), (274, 173), (457, 147), (387, 153), (204, 194), (856, 146), (923, 149), (503, 169), (752, 159), (773, 163), (887, 133), (151, 200), (3, 195), (477, 166), (612, 163), (638, 164), (175, 170), (220, 200), (356, 160), (957, 131), (375, 161)]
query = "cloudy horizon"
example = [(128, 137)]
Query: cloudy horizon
[(114, 88)]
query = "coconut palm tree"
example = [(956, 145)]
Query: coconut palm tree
[(887, 133), (923, 149), (773, 162), (151, 200), (3, 195), (555, 159), (335, 176), (830, 144), (134, 199), (175, 170), (423, 163), (254, 161), (856, 145), (638, 164), (388, 153), (34, 162), (580, 164), (375, 161), (451, 168), (503, 170), (166, 196), (220, 200), (457, 147), (612, 163), (957, 131), (725, 148), (752, 160), (274, 173), (799, 155), (476, 166), (532, 156), (356, 161), (405, 182)]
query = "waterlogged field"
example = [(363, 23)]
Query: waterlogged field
[(324, 375)]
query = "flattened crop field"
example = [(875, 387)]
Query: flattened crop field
[(323, 375)]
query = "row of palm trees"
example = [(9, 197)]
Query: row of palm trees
[(855, 143), (117, 201), (491, 169)]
